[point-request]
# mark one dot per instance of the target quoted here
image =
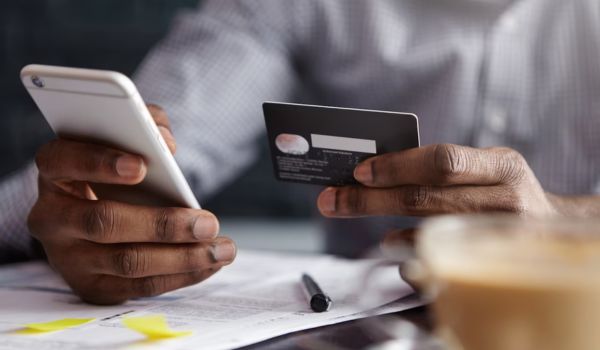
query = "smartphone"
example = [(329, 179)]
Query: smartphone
[(104, 107)]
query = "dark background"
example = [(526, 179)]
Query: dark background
[(115, 35)]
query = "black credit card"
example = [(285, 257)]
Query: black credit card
[(322, 145)]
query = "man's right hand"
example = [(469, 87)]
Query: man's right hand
[(107, 251)]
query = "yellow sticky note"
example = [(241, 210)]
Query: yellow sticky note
[(53, 326), (153, 327)]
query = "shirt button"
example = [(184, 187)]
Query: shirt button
[(497, 119)]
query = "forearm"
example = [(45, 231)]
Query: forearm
[(587, 206)]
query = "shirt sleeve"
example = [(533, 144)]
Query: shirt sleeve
[(18, 193), (211, 74)]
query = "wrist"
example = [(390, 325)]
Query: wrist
[(575, 206)]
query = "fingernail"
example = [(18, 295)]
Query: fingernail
[(363, 173), (129, 166), (223, 251), (166, 133), (204, 228), (327, 200)]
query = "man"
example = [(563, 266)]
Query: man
[(518, 74)]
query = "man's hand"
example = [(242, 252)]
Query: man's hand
[(109, 251), (440, 179)]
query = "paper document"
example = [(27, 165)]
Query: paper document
[(256, 298)]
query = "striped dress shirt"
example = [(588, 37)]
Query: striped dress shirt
[(518, 73)]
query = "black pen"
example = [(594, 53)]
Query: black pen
[(319, 301)]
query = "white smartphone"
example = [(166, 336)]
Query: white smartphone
[(105, 107)]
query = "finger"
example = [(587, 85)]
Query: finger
[(69, 160), (356, 201), (162, 121), (169, 139), (104, 221), (79, 189), (159, 115), (405, 238), (408, 275), (110, 290), (144, 260), (440, 165)]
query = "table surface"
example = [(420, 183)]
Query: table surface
[(357, 334)]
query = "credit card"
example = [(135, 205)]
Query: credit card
[(322, 145)]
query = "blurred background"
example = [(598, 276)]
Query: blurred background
[(256, 210)]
